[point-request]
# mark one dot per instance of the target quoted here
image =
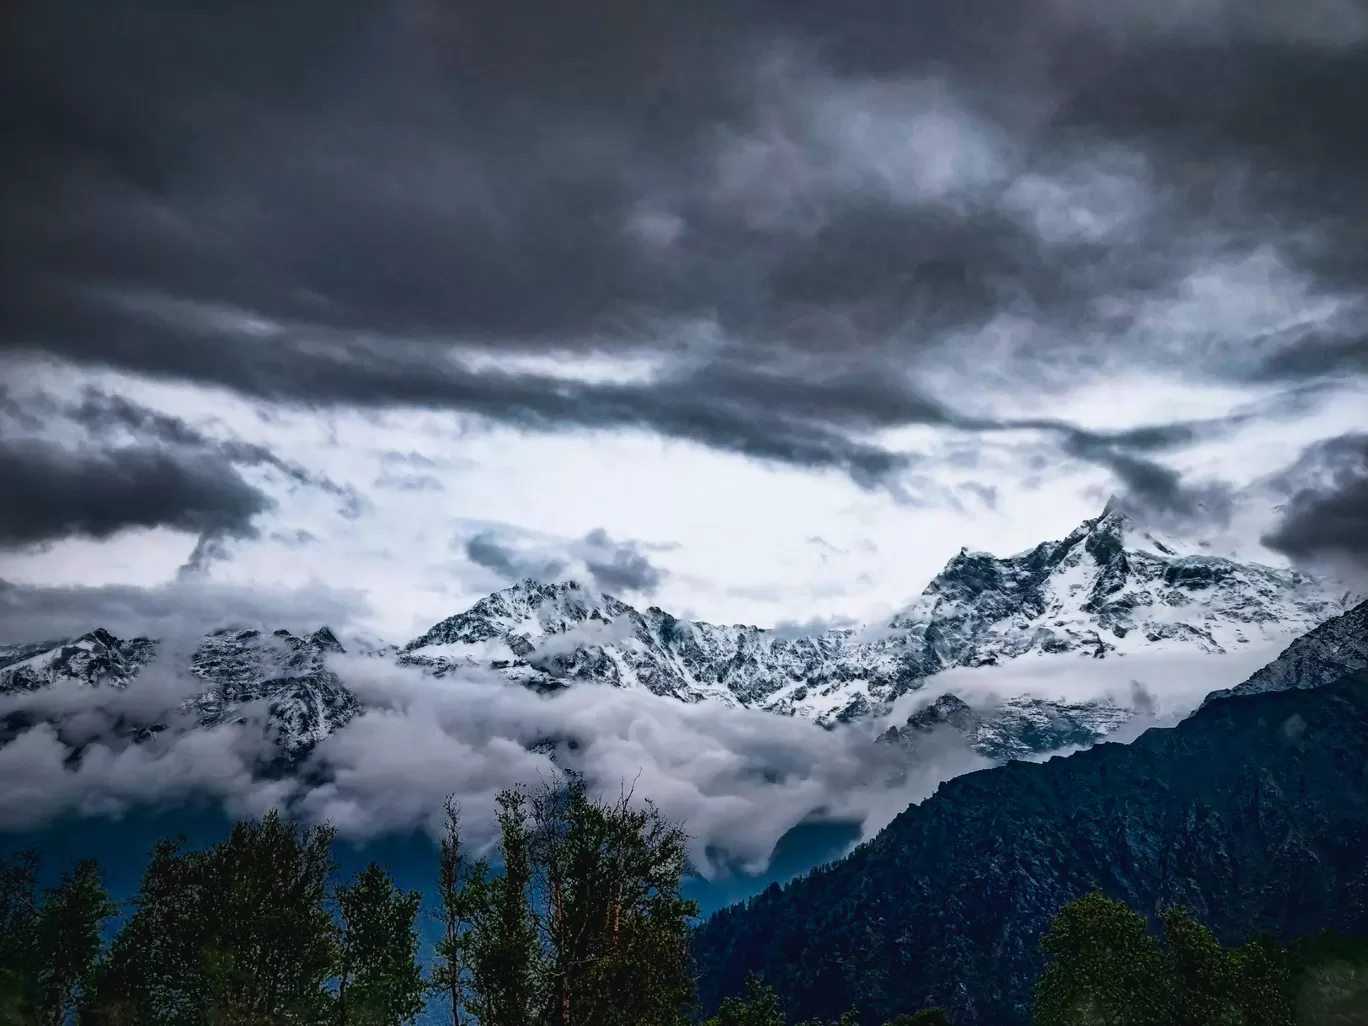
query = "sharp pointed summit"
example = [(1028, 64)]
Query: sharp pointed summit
[(1106, 590)]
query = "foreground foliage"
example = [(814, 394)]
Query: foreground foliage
[(1106, 966), (584, 925), (761, 1006)]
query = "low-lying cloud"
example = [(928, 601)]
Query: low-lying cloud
[(737, 779)]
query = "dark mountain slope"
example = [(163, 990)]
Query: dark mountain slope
[(1253, 812)]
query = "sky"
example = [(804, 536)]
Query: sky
[(757, 311)]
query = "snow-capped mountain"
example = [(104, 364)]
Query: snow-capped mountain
[(1106, 590), (286, 675), (95, 658), (283, 675)]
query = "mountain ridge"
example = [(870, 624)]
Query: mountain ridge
[(1243, 812), (1105, 591)]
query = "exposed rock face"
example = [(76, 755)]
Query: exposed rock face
[(97, 658), (1253, 813), (1106, 590), (304, 700), (1334, 648), (1016, 727), (286, 675)]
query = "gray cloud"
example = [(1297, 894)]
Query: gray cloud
[(739, 779), (1326, 517), (1151, 490), (596, 559), (52, 492), (793, 214), (180, 609), (100, 463), (619, 565), (485, 549)]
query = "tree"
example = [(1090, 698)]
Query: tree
[(759, 1007), (462, 890), (49, 945), (504, 958), (379, 980), (1108, 968), (240, 933), (1210, 986), (1105, 968), (154, 973), (18, 913), (271, 947), (67, 940), (926, 1017), (615, 928)]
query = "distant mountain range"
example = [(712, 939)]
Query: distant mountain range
[(1107, 590), (285, 675), (1253, 813)]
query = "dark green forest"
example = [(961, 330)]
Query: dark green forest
[(584, 924)]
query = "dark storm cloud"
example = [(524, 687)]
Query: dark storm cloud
[(51, 492), (1149, 488), (99, 463), (791, 208), (1328, 518)]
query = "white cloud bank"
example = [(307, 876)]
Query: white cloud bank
[(737, 779)]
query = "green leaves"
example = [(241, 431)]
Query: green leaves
[(48, 945), (761, 1007), (379, 980), (504, 952), (1107, 968), (67, 940), (586, 924), (463, 893), (615, 929), (241, 933)]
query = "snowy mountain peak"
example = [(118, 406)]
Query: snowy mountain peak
[(1107, 589), (1333, 650), (96, 658), (1106, 586), (527, 609), (285, 675)]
